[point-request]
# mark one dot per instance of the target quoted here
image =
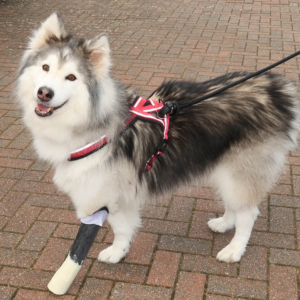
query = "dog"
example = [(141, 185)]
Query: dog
[(237, 140)]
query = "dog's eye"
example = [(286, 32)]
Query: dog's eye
[(46, 68), (71, 77)]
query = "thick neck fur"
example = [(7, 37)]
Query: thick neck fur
[(55, 139)]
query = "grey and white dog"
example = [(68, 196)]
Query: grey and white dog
[(237, 140)]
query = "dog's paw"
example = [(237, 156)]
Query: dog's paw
[(112, 254), (231, 253), (219, 225)]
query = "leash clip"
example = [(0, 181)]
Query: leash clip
[(170, 108)]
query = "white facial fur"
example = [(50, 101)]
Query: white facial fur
[(74, 113)]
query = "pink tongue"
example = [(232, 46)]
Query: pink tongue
[(42, 107)]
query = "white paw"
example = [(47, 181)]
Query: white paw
[(112, 254), (231, 253), (219, 225)]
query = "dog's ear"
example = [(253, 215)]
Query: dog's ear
[(51, 28), (98, 50)]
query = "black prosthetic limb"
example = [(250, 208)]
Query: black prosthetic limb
[(86, 235)]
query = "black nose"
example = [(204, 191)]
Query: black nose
[(45, 94)]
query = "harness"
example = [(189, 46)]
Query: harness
[(144, 109)]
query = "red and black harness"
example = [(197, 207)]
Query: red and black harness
[(144, 109)]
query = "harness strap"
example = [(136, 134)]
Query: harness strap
[(144, 109)]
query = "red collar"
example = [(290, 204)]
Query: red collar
[(141, 109), (88, 149)]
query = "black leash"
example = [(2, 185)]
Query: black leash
[(173, 108)]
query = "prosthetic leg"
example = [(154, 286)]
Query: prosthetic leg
[(64, 276)]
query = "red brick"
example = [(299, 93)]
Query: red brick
[(294, 160), (282, 220), (53, 255), (36, 295), (283, 283), (210, 205), (12, 132), (287, 201), (66, 231), (261, 224), (35, 187), (272, 240), (296, 182), (204, 264), (59, 215), (165, 227), (298, 234), (21, 142), (296, 170), (126, 291), (181, 209), (285, 257), (3, 221), (36, 238), (34, 279), (52, 201), (237, 287), (154, 212), (6, 122), (285, 177), (22, 174), (17, 258), (6, 292), (4, 152), (185, 245), (23, 219), (79, 279), (199, 227), (221, 240), (95, 288), (217, 297), (5, 186), (9, 240), (120, 272), (11, 202), (96, 249), (253, 264), (15, 163), (282, 189), (190, 286), (141, 249), (164, 269)]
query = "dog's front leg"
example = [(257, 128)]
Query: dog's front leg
[(124, 223), (245, 219)]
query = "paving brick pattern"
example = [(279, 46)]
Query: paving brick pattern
[(173, 256)]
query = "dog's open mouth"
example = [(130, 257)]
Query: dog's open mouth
[(45, 111)]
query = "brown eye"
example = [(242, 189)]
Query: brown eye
[(71, 77), (46, 68)]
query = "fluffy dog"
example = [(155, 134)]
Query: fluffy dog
[(237, 140)]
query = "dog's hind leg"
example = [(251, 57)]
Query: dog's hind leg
[(245, 219), (124, 223)]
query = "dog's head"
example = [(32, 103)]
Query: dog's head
[(59, 76)]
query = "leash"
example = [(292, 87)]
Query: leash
[(173, 108)]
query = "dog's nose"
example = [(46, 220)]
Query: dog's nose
[(45, 94)]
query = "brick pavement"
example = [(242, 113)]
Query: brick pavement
[(173, 257)]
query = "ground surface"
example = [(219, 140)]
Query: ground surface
[(173, 256)]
